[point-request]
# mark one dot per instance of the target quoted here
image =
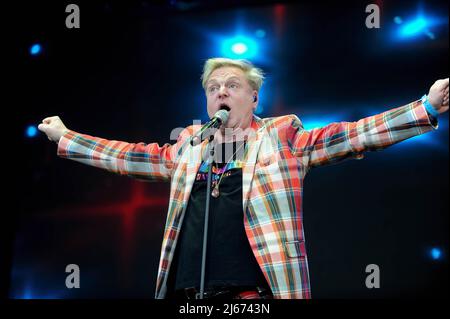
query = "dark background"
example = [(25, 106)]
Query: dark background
[(131, 72)]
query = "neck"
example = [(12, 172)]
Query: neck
[(230, 135), (233, 134)]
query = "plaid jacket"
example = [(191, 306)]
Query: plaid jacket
[(279, 155)]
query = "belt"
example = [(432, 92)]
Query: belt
[(243, 292)]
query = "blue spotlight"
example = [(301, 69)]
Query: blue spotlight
[(435, 253), (430, 34), (413, 28), (239, 47), (35, 49), (421, 25), (27, 294), (398, 20), (260, 33), (312, 123), (31, 131)]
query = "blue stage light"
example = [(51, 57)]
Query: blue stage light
[(260, 33), (35, 49), (398, 20), (435, 253), (27, 294), (312, 123), (415, 27), (239, 47), (419, 26), (31, 131)]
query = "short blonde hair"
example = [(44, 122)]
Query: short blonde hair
[(254, 75)]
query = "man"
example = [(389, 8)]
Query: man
[(256, 243)]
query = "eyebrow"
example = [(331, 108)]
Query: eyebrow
[(230, 78)]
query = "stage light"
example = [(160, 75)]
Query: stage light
[(413, 28), (309, 125), (239, 47), (435, 253), (260, 33), (27, 294), (398, 20), (312, 123), (35, 49), (420, 25), (31, 131)]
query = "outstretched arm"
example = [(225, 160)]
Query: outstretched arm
[(142, 161), (338, 141)]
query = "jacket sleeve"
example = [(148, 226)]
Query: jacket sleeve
[(140, 160), (338, 141)]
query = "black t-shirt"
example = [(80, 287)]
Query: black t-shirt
[(230, 260)]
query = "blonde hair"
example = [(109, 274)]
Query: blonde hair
[(254, 75)]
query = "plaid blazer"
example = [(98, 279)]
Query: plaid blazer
[(279, 155)]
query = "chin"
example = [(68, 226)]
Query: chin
[(230, 124)]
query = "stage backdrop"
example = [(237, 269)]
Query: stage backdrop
[(132, 72)]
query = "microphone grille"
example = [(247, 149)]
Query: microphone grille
[(222, 115)]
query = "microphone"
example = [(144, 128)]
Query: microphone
[(207, 131)]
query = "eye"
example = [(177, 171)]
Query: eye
[(233, 86), (211, 89)]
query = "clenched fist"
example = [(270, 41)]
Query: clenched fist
[(438, 95), (53, 127)]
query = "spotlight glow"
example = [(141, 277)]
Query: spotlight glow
[(310, 123), (239, 47), (420, 25), (398, 20), (260, 33), (35, 49), (435, 253), (31, 131), (413, 28)]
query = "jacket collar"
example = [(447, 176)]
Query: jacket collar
[(199, 152)]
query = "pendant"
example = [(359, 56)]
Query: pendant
[(215, 192)]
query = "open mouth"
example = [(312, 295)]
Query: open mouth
[(224, 107)]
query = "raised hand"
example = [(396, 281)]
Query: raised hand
[(53, 127), (438, 95)]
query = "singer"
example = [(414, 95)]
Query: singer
[(255, 243)]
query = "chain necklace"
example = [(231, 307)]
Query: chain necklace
[(215, 192)]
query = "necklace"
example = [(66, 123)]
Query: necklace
[(215, 192)]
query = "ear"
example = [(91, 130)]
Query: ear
[(255, 99)]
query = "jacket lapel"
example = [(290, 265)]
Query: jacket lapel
[(196, 153), (194, 156), (248, 170)]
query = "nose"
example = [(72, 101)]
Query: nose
[(223, 92)]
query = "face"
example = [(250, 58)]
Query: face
[(228, 87)]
